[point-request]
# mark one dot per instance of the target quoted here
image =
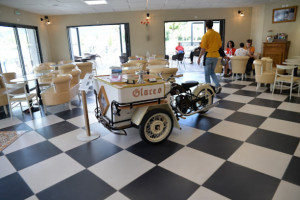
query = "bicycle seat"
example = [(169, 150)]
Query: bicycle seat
[(188, 84)]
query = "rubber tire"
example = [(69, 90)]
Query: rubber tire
[(145, 119), (212, 99)]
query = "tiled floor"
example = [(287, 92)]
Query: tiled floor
[(247, 147)]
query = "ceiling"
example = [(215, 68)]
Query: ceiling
[(65, 7)]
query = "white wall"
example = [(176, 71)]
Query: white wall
[(26, 18), (257, 27), (237, 28)]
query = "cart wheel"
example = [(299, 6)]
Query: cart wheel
[(156, 126), (208, 94)]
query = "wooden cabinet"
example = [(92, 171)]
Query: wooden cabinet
[(278, 51)]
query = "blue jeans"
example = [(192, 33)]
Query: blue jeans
[(209, 69)]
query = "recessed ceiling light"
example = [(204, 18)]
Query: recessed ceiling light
[(95, 2)]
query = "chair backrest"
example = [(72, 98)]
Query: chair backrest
[(165, 72), (62, 83), (132, 58), (286, 67), (2, 84), (65, 61), (219, 66), (48, 63), (15, 88), (130, 64), (75, 76), (9, 76), (156, 66), (267, 63), (158, 62), (258, 64), (239, 63), (66, 68), (85, 67), (160, 56)]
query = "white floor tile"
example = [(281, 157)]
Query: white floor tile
[(80, 121), (68, 140), (44, 121), (120, 169), (124, 141), (241, 82), (9, 122), (59, 108), (257, 110), (239, 98), (192, 164), (297, 152), (186, 135), (294, 107), (233, 130), (117, 196), (49, 172), (26, 140), (281, 126), (288, 191), (273, 163), (276, 97), (219, 113), (253, 88), (205, 194), (32, 198), (228, 90), (6, 167)]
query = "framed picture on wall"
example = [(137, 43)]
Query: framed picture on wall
[(103, 100), (287, 14)]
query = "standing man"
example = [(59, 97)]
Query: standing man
[(210, 44)]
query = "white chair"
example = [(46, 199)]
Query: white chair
[(290, 79), (14, 98)]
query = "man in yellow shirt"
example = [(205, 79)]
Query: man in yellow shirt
[(210, 44)]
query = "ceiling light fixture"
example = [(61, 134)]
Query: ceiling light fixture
[(46, 18), (95, 2), (146, 20), (241, 13)]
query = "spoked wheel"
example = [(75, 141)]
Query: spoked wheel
[(206, 96), (156, 126)]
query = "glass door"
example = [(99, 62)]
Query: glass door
[(9, 54)]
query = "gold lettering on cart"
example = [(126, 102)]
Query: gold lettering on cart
[(145, 92)]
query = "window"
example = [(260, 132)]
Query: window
[(19, 50), (189, 33), (107, 41)]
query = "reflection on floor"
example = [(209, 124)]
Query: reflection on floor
[(245, 148)]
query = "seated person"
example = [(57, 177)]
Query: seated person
[(250, 52), (179, 50), (196, 52), (230, 50), (241, 51)]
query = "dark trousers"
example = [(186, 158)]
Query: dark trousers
[(192, 56), (249, 65)]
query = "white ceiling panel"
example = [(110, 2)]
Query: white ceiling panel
[(61, 7)]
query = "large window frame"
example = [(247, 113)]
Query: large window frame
[(222, 29), (18, 43), (127, 38)]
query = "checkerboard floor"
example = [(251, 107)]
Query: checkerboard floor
[(247, 147)]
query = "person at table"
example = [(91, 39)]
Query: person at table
[(196, 52), (230, 50), (179, 50), (250, 52), (241, 51)]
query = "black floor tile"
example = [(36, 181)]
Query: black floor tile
[(231, 105), (33, 154), (293, 99), (226, 80), (68, 114), (272, 140), (93, 152), (216, 145), (17, 127), (200, 122), (13, 187), (265, 102), (237, 182), (1, 153), (82, 186), (247, 93), (292, 173), (221, 95), (56, 129), (235, 86), (246, 119), (253, 84), (155, 153), (286, 115), (159, 183)]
